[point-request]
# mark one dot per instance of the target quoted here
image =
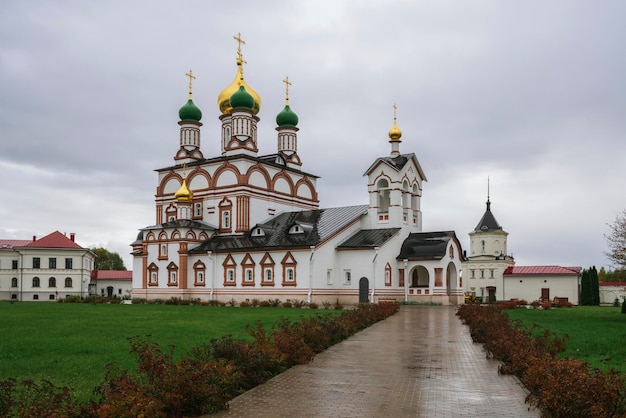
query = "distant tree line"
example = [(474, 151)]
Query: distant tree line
[(617, 275)]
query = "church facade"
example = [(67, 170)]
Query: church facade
[(243, 226)]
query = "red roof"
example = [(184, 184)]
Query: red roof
[(112, 275), (11, 243), (541, 271), (612, 284), (54, 240)]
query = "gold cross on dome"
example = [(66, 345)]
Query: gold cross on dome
[(287, 84), (240, 41), (191, 78), (395, 108)]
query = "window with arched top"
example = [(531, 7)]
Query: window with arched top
[(482, 246), (388, 275), (36, 282), (384, 198), (68, 282), (52, 282)]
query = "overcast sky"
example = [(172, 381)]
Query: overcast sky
[(530, 94)]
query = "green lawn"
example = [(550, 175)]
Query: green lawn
[(70, 344), (597, 335)]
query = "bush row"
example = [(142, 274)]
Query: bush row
[(200, 382), (559, 387)]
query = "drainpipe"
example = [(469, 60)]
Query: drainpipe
[(311, 262), (406, 280), (212, 270), (374, 274)]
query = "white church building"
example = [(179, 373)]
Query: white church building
[(245, 226)]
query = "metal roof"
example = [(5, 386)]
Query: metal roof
[(53, 240), (397, 163), (368, 238), (488, 222), (426, 245), (541, 271), (316, 227)]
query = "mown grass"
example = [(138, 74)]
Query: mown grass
[(597, 335), (70, 344)]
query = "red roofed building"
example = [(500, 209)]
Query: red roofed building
[(542, 282), (490, 272), (111, 283), (44, 269)]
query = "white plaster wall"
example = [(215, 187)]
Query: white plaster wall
[(529, 287)]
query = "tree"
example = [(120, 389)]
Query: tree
[(616, 241), (595, 286), (585, 288), (106, 260)]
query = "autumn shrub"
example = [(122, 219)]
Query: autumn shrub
[(164, 387), (509, 304), (313, 305), (558, 387), (30, 399), (287, 304)]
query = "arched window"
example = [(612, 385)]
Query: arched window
[(68, 282), (14, 282), (35, 281), (482, 246), (52, 282), (382, 188), (406, 200), (388, 275)]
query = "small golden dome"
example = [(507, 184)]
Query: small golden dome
[(183, 194), (395, 133), (223, 100)]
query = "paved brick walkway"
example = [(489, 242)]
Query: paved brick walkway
[(421, 362)]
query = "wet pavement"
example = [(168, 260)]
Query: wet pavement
[(421, 362)]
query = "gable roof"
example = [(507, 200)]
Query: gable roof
[(316, 227), (427, 245), (541, 271), (112, 275), (368, 238), (53, 240), (397, 163)]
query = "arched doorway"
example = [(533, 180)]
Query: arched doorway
[(420, 277), (364, 289), (451, 277)]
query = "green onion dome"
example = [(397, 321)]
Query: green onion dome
[(190, 112), (241, 99), (287, 117)]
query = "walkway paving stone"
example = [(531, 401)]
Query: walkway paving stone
[(421, 362)]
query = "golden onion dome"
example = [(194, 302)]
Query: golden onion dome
[(183, 194), (395, 133), (223, 100)]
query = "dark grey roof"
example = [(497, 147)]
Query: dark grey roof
[(315, 227), (488, 221), (426, 245), (368, 238), (397, 163)]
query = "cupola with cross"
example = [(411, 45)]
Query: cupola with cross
[(287, 122), (190, 116), (239, 104)]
